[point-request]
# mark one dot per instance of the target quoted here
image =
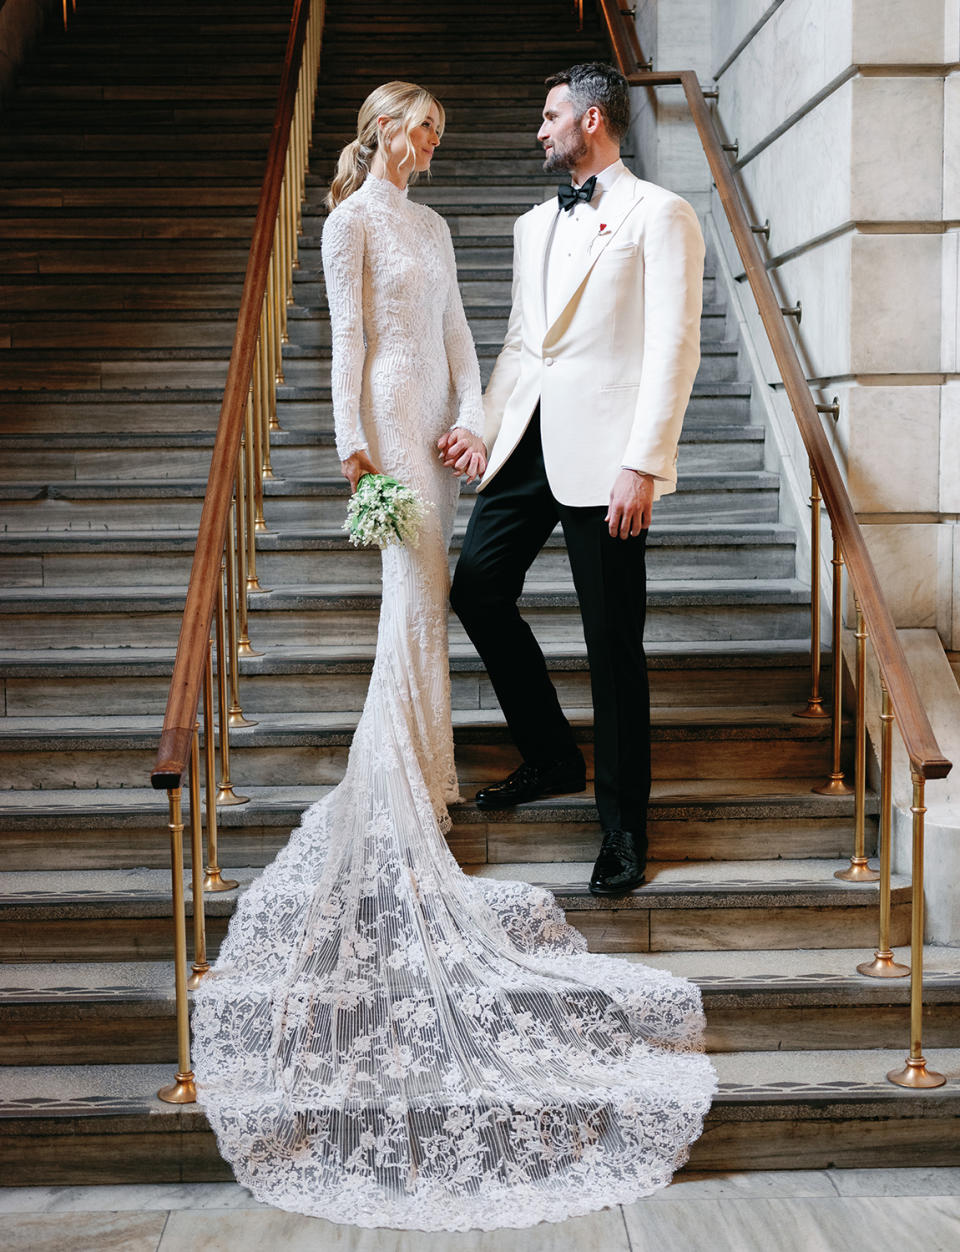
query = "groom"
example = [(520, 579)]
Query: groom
[(583, 414)]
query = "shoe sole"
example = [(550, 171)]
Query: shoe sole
[(619, 891), (512, 804)]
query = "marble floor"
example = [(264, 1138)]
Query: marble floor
[(801, 1211)]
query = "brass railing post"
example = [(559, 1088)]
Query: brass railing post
[(259, 425), (859, 868), (244, 646), (836, 785), (201, 965), (814, 700), (234, 712), (915, 1072), (883, 965), (213, 879), (183, 1089), (225, 793), (250, 494)]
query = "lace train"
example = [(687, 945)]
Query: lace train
[(388, 1041)]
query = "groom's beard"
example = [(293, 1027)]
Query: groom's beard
[(566, 157)]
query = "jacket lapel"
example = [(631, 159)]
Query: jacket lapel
[(618, 203)]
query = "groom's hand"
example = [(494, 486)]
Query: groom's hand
[(631, 504), (463, 452)]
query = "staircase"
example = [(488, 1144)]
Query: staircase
[(132, 156)]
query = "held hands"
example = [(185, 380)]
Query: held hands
[(631, 504), (355, 466), (463, 452)]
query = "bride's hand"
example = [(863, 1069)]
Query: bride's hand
[(463, 452), (355, 466)]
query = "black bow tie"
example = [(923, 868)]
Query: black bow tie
[(568, 196)]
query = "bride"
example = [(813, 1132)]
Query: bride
[(384, 1040)]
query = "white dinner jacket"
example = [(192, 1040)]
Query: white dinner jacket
[(614, 369)]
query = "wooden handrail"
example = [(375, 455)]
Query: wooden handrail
[(188, 670), (919, 740)]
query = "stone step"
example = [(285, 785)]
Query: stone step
[(732, 497), (80, 1013), (316, 555), (84, 915), (82, 455), (180, 410), (310, 748), (123, 680), (761, 609), (689, 819), (94, 1125)]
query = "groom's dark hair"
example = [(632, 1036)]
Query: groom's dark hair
[(594, 84)]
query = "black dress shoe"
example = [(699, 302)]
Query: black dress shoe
[(620, 865), (529, 782)]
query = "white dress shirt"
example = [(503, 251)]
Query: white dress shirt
[(571, 238)]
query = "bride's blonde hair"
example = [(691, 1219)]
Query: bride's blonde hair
[(406, 105)]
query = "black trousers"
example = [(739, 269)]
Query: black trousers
[(511, 522)]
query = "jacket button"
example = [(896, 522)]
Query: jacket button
[(548, 360)]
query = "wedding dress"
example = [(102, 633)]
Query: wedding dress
[(384, 1040)]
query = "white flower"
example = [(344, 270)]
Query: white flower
[(382, 511)]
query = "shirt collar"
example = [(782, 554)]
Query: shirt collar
[(605, 180)]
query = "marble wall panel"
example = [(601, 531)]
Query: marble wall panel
[(951, 31), (892, 436), (801, 182), (897, 149), (895, 307), (683, 37), (950, 303), (951, 146), (950, 447), (733, 20), (803, 47), (898, 31), (905, 558)]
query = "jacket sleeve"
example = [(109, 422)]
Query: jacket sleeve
[(459, 346), (673, 253), (506, 371), (342, 255)]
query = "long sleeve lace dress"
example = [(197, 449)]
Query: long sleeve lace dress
[(384, 1040)]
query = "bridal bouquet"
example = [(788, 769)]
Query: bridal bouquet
[(383, 511)]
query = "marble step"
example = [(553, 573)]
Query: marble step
[(689, 820), (123, 680), (732, 497), (682, 611), (310, 748), (85, 455), (180, 411), (92, 1125), (315, 555), (79, 1013), (84, 915)]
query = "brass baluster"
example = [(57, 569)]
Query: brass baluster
[(244, 646), (915, 1072), (225, 793), (883, 965), (836, 785), (291, 222), (213, 879), (253, 583), (201, 965), (284, 270), (859, 868), (183, 1089), (277, 311), (269, 392), (234, 712), (259, 524), (815, 700)]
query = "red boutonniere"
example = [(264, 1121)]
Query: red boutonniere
[(603, 227)]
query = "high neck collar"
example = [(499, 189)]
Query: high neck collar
[(383, 189)]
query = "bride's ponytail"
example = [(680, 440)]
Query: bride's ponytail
[(352, 168), (406, 105)]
